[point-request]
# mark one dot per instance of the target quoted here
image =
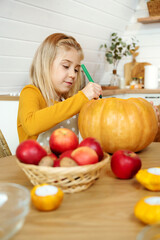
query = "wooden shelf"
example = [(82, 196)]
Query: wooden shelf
[(146, 20)]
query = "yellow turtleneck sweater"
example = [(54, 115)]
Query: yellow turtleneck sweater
[(34, 117)]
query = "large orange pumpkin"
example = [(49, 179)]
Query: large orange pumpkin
[(117, 123)]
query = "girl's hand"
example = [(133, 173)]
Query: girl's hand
[(92, 90)]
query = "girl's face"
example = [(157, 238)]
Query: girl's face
[(64, 70)]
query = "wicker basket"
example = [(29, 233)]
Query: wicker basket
[(70, 180), (154, 7)]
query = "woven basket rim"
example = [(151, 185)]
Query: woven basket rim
[(56, 170)]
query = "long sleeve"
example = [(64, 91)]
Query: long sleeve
[(34, 117)]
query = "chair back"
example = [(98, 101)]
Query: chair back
[(4, 149)]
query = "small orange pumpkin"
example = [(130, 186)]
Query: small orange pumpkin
[(116, 123), (149, 178), (147, 210), (47, 201)]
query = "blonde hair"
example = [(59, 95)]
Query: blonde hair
[(40, 71)]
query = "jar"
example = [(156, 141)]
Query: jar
[(115, 79)]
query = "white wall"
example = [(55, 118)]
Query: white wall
[(25, 23), (147, 34)]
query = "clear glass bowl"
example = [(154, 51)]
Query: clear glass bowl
[(14, 206), (150, 232)]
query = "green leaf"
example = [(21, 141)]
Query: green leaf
[(108, 55), (118, 48), (110, 60), (113, 47)]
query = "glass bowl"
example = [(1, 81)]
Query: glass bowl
[(150, 232), (14, 206)]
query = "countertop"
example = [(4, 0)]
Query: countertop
[(130, 91), (103, 211), (105, 93)]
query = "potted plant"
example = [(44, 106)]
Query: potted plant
[(116, 51)]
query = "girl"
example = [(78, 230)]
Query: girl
[(53, 97)]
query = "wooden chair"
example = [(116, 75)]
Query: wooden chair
[(4, 149)]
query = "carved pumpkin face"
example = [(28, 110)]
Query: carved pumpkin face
[(117, 124)]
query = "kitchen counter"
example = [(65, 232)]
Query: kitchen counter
[(105, 93), (9, 98), (130, 91), (103, 211)]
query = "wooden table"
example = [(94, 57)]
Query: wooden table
[(104, 211)]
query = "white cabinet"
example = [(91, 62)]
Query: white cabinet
[(8, 123)]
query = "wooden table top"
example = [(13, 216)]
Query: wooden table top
[(104, 211)]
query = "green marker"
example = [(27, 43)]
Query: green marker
[(88, 75)]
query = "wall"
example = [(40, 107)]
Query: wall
[(147, 34), (25, 23)]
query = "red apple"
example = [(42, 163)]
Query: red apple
[(30, 152), (56, 163), (63, 139), (94, 144), (66, 154), (55, 160), (53, 156), (125, 164), (84, 156)]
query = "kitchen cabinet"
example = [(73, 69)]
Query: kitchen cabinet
[(8, 120)]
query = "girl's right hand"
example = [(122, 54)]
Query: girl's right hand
[(92, 90)]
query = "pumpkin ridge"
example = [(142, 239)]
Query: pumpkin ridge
[(127, 114), (144, 111), (150, 115), (139, 143), (100, 139)]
